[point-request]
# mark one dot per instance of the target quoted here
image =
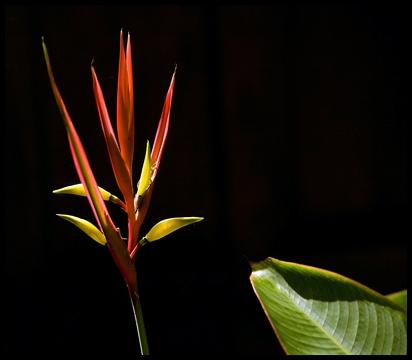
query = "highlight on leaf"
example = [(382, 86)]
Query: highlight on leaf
[(167, 226), (315, 311), (87, 227)]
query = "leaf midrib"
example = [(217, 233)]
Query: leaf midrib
[(317, 324)]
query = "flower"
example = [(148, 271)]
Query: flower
[(120, 151)]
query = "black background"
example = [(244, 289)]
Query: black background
[(287, 133)]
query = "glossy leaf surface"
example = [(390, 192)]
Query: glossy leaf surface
[(314, 311)]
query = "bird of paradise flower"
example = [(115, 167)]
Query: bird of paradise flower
[(121, 151)]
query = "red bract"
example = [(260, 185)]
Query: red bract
[(125, 104), (122, 174), (162, 128)]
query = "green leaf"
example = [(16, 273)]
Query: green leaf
[(399, 297), (314, 311)]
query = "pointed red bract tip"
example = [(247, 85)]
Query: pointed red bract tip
[(125, 99), (162, 129), (122, 174)]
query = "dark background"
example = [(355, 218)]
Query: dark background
[(287, 133)]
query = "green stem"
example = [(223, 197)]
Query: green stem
[(138, 317)]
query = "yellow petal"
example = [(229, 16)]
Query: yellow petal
[(146, 173), (165, 227), (87, 227), (78, 189)]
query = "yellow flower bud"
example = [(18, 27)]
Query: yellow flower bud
[(146, 173), (165, 227), (87, 227), (78, 189)]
